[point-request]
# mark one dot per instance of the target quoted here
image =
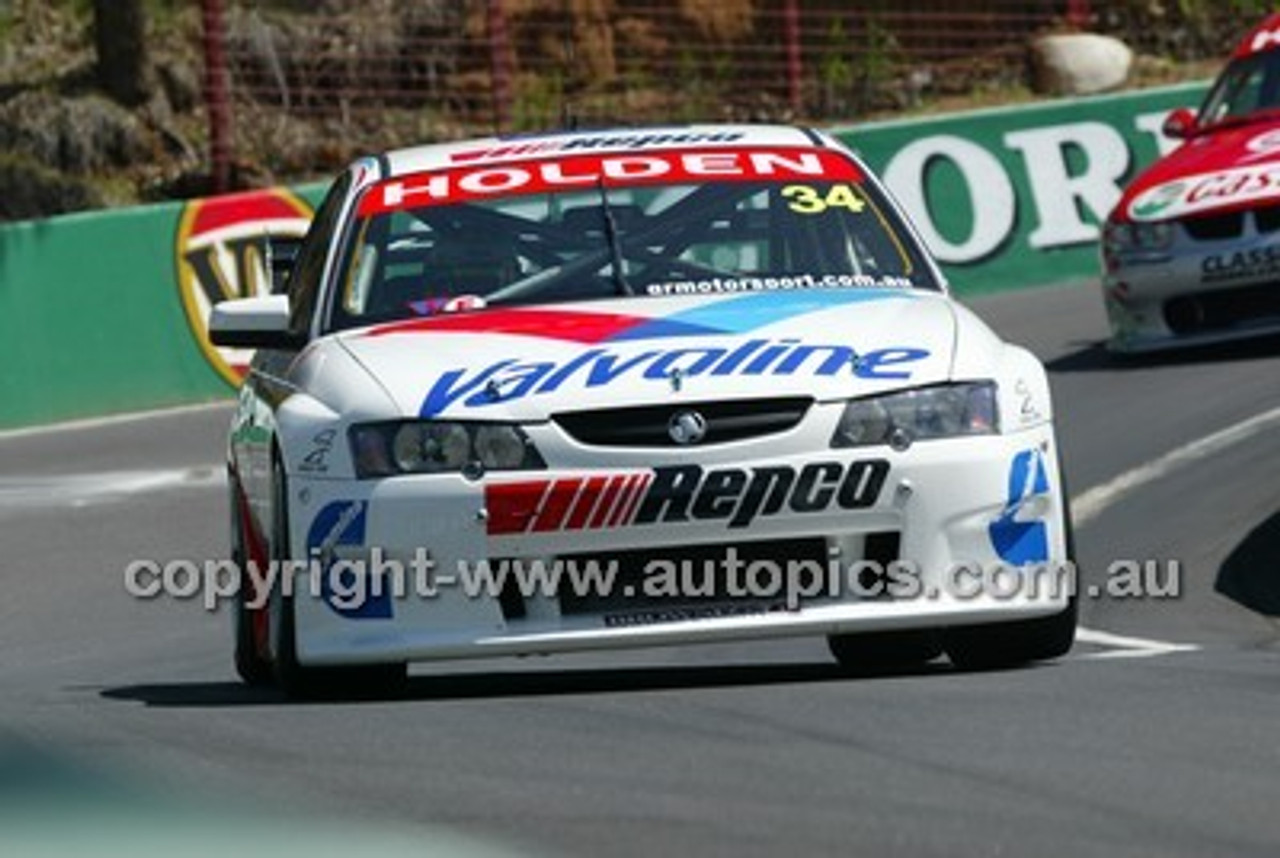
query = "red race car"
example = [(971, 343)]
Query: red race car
[(1191, 253)]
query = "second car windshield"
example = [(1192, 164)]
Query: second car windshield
[(1247, 86), (600, 242)]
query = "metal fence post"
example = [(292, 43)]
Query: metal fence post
[(1079, 13), (216, 94), (500, 65), (791, 28)]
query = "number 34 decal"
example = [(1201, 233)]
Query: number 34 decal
[(806, 199)]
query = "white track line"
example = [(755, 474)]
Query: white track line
[(1095, 501), (115, 419), (1123, 646), (77, 490), (1089, 505)]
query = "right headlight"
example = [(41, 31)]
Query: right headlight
[(440, 446), (923, 413)]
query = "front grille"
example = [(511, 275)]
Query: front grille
[(700, 574), (1215, 227), (1268, 219), (1221, 227), (648, 425), (696, 582), (1212, 311)]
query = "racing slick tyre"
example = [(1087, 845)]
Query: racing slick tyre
[(303, 681), (999, 645), (883, 652), (252, 667)]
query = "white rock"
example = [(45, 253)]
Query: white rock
[(1079, 63)]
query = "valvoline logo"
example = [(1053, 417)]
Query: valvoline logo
[(219, 256), (510, 379), (608, 360)]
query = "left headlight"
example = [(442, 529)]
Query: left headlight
[(1142, 235), (440, 446), (900, 419)]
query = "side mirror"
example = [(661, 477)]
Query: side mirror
[(253, 323), (281, 252), (1180, 124)]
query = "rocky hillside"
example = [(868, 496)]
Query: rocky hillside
[(66, 145)]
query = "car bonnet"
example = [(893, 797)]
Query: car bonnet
[(528, 362)]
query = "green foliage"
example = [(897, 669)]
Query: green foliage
[(855, 73), (1181, 29), (539, 101), (835, 72)]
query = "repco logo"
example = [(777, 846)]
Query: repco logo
[(219, 256), (681, 493), (739, 495)]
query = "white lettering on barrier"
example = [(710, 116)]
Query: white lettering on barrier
[(991, 194), (1058, 195), (1062, 199)]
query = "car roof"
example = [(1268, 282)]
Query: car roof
[(1262, 38), (419, 159)]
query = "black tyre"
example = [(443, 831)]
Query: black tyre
[(251, 665), (883, 652), (305, 681), (999, 645)]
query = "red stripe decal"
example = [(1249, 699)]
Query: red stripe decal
[(633, 502), (608, 498), (627, 494), (569, 325), (556, 505), (586, 502), (511, 506)]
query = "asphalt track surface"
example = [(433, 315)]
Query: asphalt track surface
[(122, 724)]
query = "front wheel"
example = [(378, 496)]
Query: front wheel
[(306, 681), (253, 667), (998, 645)]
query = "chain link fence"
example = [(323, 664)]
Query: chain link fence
[(303, 82)]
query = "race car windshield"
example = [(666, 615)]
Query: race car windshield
[(1247, 89), (600, 241)]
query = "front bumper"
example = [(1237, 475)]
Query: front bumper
[(1200, 291), (994, 503)]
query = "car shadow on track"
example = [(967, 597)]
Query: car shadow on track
[(1248, 574), (1094, 357), (532, 683)]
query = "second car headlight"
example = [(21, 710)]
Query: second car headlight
[(1140, 235), (900, 419), (439, 446)]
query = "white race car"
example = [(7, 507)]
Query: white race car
[(632, 388)]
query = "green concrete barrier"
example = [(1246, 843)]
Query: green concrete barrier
[(105, 312), (89, 326)]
